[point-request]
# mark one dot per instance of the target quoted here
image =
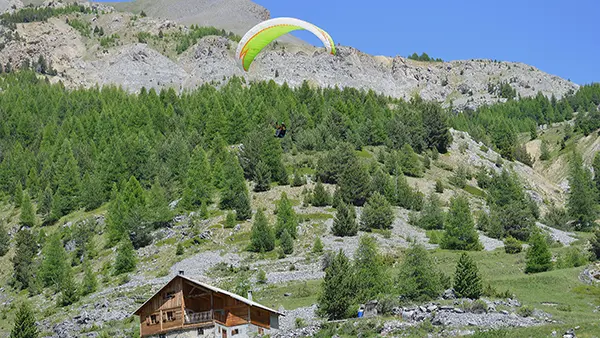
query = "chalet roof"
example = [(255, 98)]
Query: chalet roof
[(214, 289)]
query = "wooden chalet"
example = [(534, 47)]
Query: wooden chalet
[(189, 308)]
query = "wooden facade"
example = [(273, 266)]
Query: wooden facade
[(187, 304)]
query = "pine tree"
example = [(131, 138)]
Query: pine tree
[(287, 242), (377, 213), (135, 214), (545, 152), (409, 161), (32, 184), (235, 192), (90, 284), (297, 180), (4, 240), (27, 212), (320, 197), (337, 290), (437, 132), (262, 177), (18, 195), (286, 217), (115, 219), (199, 182), (159, 212), (380, 182), (125, 261), (460, 231), (439, 186), (596, 167), (26, 250), (345, 223), (262, 237), (418, 279), (595, 245), (432, 216), (581, 202), (92, 196), (68, 289), (459, 178), (538, 257), (67, 195), (46, 203), (25, 326), (179, 250), (370, 273), (52, 270), (317, 246), (467, 281), (354, 184)]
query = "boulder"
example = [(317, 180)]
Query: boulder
[(432, 308), (449, 294), (408, 315)]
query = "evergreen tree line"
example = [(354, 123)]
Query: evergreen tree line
[(33, 14), (497, 125), (59, 141), (347, 284)]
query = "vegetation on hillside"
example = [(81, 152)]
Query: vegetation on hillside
[(132, 155)]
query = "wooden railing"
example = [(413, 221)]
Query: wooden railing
[(198, 317), (221, 317)]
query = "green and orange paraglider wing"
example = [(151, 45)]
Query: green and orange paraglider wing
[(265, 32)]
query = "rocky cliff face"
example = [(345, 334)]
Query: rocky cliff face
[(80, 61)]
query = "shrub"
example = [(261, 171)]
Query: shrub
[(179, 251), (262, 277), (564, 307), (512, 245), (300, 323), (479, 306), (377, 213), (525, 311), (439, 186), (317, 246), (230, 220)]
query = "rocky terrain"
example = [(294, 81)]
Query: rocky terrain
[(80, 60)]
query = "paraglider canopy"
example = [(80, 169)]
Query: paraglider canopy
[(265, 32)]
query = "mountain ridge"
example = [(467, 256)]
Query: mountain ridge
[(133, 64)]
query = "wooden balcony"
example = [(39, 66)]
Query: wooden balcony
[(198, 317)]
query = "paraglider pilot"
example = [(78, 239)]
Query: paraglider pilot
[(280, 130)]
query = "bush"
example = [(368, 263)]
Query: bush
[(439, 186), (386, 304), (479, 306), (230, 220), (564, 307), (459, 179), (179, 251), (525, 311), (377, 213), (572, 258), (317, 246), (300, 323), (262, 277), (512, 246)]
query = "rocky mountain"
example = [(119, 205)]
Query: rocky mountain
[(129, 62)]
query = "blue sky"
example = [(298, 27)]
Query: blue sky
[(558, 36)]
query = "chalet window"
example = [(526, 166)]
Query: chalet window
[(162, 336), (235, 332), (153, 319), (170, 316), (200, 331)]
